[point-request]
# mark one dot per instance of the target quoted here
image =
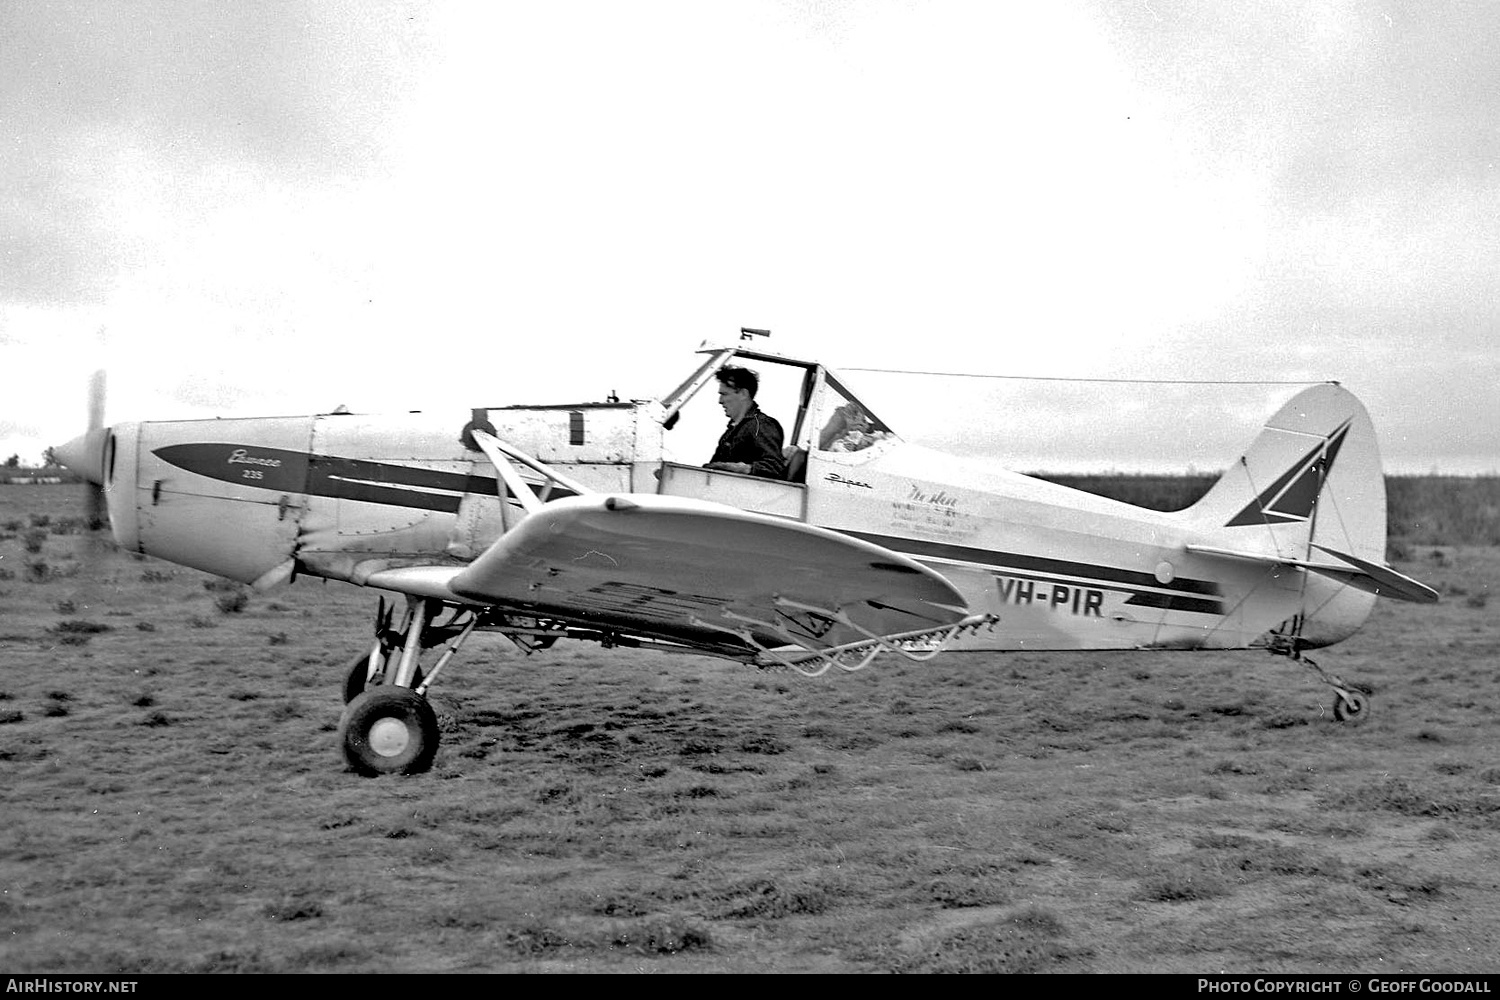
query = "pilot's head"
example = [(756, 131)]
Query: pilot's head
[(736, 390)]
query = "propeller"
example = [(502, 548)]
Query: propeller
[(86, 455), (97, 509)]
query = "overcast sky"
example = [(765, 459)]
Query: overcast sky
[(283, 207)]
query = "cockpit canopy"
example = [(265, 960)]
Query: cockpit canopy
[(816, 410)]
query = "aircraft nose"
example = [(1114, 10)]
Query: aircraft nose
[(85, 455)]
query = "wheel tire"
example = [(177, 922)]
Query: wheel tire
[(1353, 710), (354, 680), (389, 730)]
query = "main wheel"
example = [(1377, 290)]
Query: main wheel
[(389, 730), (1354, 709), (359, 671)]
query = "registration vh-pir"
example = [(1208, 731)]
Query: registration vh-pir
[(571, 521)]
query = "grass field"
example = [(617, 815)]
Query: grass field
[(174, 799)]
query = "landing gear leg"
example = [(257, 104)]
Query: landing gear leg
[(368, 669), (390, 728)]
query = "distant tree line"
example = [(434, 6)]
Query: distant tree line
[(1444, 510), (50, 469), (49, 461)]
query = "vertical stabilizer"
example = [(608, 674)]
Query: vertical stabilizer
[(1311, 478)]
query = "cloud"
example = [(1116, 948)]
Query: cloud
[(122, 114), (395, 206)]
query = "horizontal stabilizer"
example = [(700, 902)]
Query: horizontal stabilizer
[(1390, 582), (1361, 573)]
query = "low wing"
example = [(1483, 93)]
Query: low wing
[(704, 573), (1368, 576)]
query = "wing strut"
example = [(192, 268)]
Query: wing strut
[(499, 453)]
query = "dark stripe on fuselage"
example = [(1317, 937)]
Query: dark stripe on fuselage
[(1176, 602), (381, 482), (1015, 565), (281, 471), (1024, 564)]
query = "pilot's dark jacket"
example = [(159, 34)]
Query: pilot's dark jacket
[(756, 440)]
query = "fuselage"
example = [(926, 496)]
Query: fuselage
[(545, 523), (346, 496)]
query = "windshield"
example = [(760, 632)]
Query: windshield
[(843, 422)]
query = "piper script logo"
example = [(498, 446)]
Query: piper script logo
[(241, 456)]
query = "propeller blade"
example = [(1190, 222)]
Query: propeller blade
[(96, 400), (86, 455)]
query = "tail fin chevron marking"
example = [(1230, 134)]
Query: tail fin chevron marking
[(1291, 497)]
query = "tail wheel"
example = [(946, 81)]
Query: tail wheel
[(1352, 707), (389, 730)]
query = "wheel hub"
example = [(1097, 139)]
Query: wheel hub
[(389, 737)]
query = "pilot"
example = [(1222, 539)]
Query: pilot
[(752, 442)]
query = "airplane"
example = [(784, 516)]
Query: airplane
[(578, 521)]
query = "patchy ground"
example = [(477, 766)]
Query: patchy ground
[(174, 799)]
